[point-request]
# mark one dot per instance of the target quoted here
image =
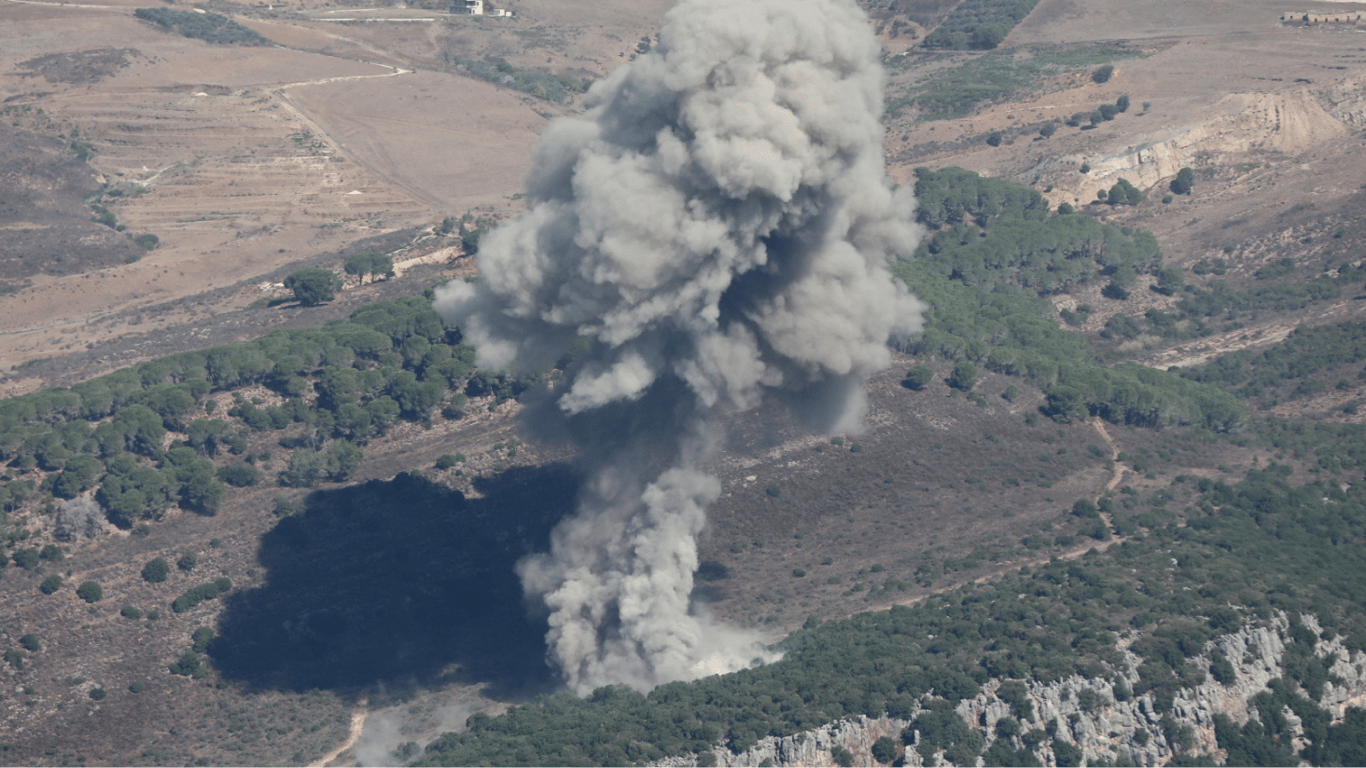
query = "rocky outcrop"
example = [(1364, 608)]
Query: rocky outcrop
[(1087, 713), (1288, 122)]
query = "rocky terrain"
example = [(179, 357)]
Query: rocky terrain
[(1106, 729)]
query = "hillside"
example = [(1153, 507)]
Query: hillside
[(340, 499)]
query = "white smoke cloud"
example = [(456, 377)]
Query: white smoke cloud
[(717, 225)]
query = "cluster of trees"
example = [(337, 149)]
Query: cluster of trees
[(542, 85), (992, 231), (209, 27), (372, 264), (996, 249), (1104, 112), (341, 385), (1200, 305), (1122, 193), (1242, 552), (1288, 364), (979, 24), (315, 285)]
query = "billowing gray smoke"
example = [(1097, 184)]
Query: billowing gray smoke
[(716, 227)]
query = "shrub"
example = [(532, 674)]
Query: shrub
[(90, 591), (994, 138), (884, 750), (156, 570), (1103, 73), (964, 376), (129, 612), (774, 490), (27, 558), (189, 665), (448, 460), (15, 658), (30, 643), (798, 572), (98, 694), (1085, 167), (1184, 181), (51, 584), (137, 686), (187, 562), (918, 376), (1048, 130), (201, 593), (240, 474), (842, 756), (52, 553)]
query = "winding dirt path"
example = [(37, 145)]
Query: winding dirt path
[(357, 726)]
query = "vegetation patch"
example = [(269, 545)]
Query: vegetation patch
[(994, 77), (542, 85), (979, 24), (202, 25)]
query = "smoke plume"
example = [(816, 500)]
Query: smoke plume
[(714, 228)]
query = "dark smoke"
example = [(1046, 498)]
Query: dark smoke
[(716, 226)]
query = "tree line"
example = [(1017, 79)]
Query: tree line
[(338, 387)]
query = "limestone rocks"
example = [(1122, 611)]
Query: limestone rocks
[(1087, 713)]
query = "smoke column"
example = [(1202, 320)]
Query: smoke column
[(714, 228)]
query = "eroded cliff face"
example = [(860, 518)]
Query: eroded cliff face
[(1285, 122), (1104, 729)]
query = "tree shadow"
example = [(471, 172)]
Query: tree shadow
[(390, 584)]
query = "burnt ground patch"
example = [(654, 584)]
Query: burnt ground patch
[(399, 583), (48, 225), (80, 67)]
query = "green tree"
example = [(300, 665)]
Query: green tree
[(156, 570), (27, 558), (1048, 130), (1184, 181), (884, 750), (313, 286), (51, 584), (90, 591), (964, 376), (79, 474), (918, 377), (1123, 103), (239, 474), (994, 138), (1103, 73), (372, 264)]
